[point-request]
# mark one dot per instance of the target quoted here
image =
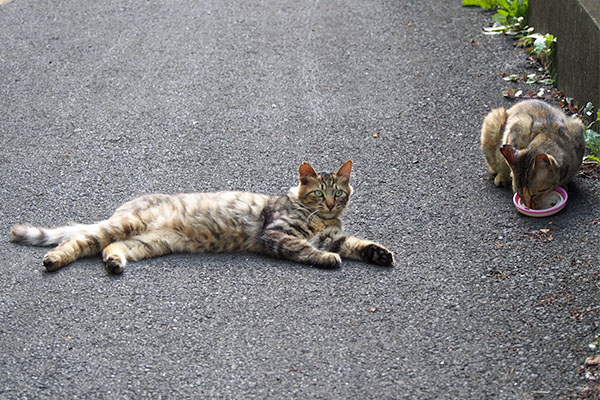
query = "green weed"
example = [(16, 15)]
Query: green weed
[(537, 43), (591, 121), (539, 49), (592, 138), (510, 18), (594, 344)]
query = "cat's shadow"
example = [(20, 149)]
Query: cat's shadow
[(576, 195), (82, 266), (226, 261)]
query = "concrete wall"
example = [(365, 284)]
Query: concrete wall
[(576, 24)]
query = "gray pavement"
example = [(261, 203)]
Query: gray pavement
[(104, 101)]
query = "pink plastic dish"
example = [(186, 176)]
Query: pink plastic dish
[(555, 202)]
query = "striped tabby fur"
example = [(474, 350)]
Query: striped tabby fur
[(534, 146), (303, 226)]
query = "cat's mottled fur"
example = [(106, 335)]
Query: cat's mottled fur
[(533, 145), (302, 226)]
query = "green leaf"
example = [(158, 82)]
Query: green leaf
[(494, 30), (531, 78), (500, 18), (591, 135), (504, 4), (591, 157), (519, 8), (524, 10), (587, 110), (539, 45), (592, 141), (480, 3)]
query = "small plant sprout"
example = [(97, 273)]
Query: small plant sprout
[(510, 17), (594, 344), (591, 121), (592, 137)]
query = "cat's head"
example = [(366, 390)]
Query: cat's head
[(534, 175), (326, 193)]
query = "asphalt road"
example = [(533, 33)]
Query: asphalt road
[(103, 101)]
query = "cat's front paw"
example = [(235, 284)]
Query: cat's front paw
[(502, 180), (328, 260), (113, 264), (377, 254)]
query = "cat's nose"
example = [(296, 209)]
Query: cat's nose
[(330, 206)]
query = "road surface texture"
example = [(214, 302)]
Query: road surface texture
[(105, 101)]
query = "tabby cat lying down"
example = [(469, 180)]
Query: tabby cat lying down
[(533, 145), (302, 226)]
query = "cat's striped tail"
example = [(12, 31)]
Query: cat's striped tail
[(48, 236)]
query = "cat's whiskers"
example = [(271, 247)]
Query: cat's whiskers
[(308, 218)]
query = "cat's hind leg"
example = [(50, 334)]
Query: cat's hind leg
[(492, 132), (73, 242), (70, 250), (150, 244)]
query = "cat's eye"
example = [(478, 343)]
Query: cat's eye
[(318, 193), (339, 193)]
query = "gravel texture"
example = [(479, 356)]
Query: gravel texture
[(104, 101)]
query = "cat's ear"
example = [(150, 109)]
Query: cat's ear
[(510, 153), (306, 172), (344, 171), (544, 164)]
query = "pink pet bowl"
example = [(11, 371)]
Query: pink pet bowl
[(555, 202)]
